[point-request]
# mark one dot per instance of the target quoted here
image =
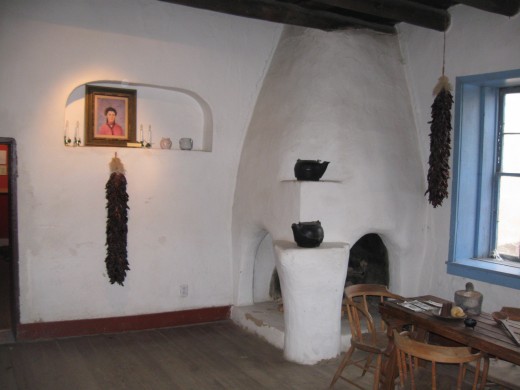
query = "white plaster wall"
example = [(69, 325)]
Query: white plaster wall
[(340, 97), (476, 42), (180, 202)]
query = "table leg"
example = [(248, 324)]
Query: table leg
[(390, 369)]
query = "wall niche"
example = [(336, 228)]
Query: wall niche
[(170, 113)]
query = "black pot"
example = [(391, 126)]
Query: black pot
[(311, 170), (308, 234)]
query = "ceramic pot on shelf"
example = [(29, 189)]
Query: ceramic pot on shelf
[(166, 143), (311, 170), (308, 234), (186, 143)]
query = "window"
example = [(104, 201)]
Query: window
[(485, 223), (508, 176)]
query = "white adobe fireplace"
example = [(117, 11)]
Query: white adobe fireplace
[(340, 97), (312, 282)]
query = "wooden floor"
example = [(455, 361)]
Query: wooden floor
[(210, 356)]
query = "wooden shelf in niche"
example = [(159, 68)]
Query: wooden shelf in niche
[(171, 112)]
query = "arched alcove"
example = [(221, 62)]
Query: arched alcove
[(169, 112), (264, 271), (368, 261)]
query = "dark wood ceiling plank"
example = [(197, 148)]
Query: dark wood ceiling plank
[(502, 7), (329, 15), (397, 10), (287, 13)]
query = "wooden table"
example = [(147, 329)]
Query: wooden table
[(487, 336)]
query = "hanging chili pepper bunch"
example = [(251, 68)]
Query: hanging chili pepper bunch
[(440, 143), (117, 223)]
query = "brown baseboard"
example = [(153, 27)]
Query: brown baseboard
[(48, 330)]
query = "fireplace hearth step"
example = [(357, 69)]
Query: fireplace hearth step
[(266, 320)]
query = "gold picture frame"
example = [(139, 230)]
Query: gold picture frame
[(110, 116)]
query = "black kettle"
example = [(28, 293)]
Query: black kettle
[(308, 234), (311, 170)]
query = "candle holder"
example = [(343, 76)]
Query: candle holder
[(76, 141), (71, 142), (66, 139), (143, 142), (149, 143)]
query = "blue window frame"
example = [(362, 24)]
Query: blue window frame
[(475, 186)]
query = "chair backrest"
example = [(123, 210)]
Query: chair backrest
[(359, 298), (412, 354)]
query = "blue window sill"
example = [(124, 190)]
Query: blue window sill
[(487, 270)]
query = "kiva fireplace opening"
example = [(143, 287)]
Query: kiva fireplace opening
[(368, 263)]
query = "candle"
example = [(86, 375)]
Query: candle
[(76, 133), (141, 134), (150, 135), (66, 132), (78, 138)]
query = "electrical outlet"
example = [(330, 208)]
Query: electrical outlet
[(183, 290)]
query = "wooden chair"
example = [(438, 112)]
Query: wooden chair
[(367, 335), (419, 368)]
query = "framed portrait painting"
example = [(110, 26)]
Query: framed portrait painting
[(109, 116)]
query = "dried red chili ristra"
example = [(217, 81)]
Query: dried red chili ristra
[(117, 223), (440, 143)]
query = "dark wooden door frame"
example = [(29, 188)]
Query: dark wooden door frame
[(12, 162)]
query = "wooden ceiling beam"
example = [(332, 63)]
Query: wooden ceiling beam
[(398, 11), (329, 15), (286, 13), (502, 7)]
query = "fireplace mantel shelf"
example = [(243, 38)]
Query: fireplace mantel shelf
[(291, 245), (311, 181)]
